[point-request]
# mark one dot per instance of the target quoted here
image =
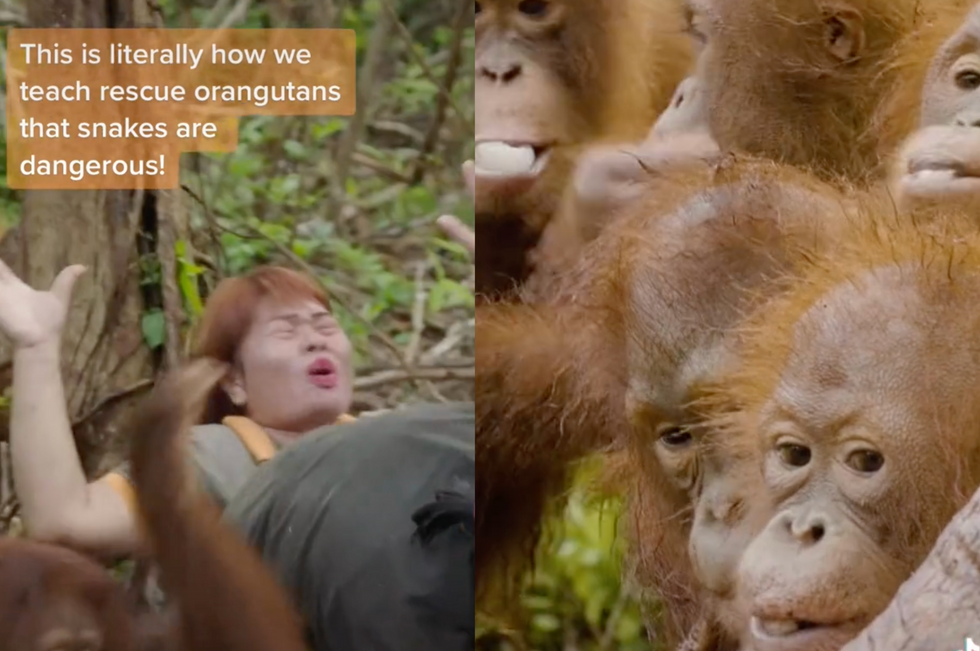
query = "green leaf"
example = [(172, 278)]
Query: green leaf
[(304, 248), (453, 247), (295, 149), (283, 189), (187, 274), (154, 327), (243, 166), (323, 130), (274, 231), (595, 604), (418, 200), (628, 628), (546, 623), (538, 602), (446, 294)]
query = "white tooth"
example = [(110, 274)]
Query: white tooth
[(541, 162), (501, 158), (483, 172), (779, 627), (926, 174)]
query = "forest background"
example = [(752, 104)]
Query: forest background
[(352, 201)]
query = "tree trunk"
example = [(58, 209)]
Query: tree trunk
[(939, 606), (105, 361)]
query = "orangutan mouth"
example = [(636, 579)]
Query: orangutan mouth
[(504, 158), (782, 627), (789, 634), (930, 165)]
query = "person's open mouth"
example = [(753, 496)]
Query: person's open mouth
[(322, 373)]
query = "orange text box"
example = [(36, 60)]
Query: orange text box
[(114, 108)]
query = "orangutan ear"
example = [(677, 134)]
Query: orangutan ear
[(844, 29)]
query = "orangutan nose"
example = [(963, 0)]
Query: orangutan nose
[(807, 528), (501, 69), (970, 119)]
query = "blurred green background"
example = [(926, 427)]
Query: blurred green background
[(576, 600), (353, 201)]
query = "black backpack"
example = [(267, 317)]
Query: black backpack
[(370, 525)]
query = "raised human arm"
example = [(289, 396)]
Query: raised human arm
[(58, 503)]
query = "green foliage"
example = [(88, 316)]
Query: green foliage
[(447, 293), (154, 327), (274, 199), (187, 275), (363, 225), (10, 200), (575, 598)]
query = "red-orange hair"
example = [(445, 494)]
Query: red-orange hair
[(229, 313)]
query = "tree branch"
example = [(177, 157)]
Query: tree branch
[(463, 10), (418, 373), (939, 606), (444, 93)]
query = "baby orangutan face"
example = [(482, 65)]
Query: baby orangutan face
[(66, 625), (867, 436), (951, 95), (941, 162), (53, 599), (535, 92), (716, 255), (786, 79)]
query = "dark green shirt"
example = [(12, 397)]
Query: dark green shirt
[(333, 514), (222, 462)]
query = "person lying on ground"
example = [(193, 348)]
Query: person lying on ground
[(370, 526)]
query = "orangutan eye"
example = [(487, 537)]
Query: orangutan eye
[(692, 26), (675, 437), (968, 79), (865, 461), (693, 32), (536, 8), (794, 455), (478, 8)]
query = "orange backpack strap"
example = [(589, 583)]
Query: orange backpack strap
[(256, 440), (252, 436), (122, 486)]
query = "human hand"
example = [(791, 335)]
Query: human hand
[(30, 317)]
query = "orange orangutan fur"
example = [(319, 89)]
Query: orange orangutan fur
[(620, 62), (553, 379)]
